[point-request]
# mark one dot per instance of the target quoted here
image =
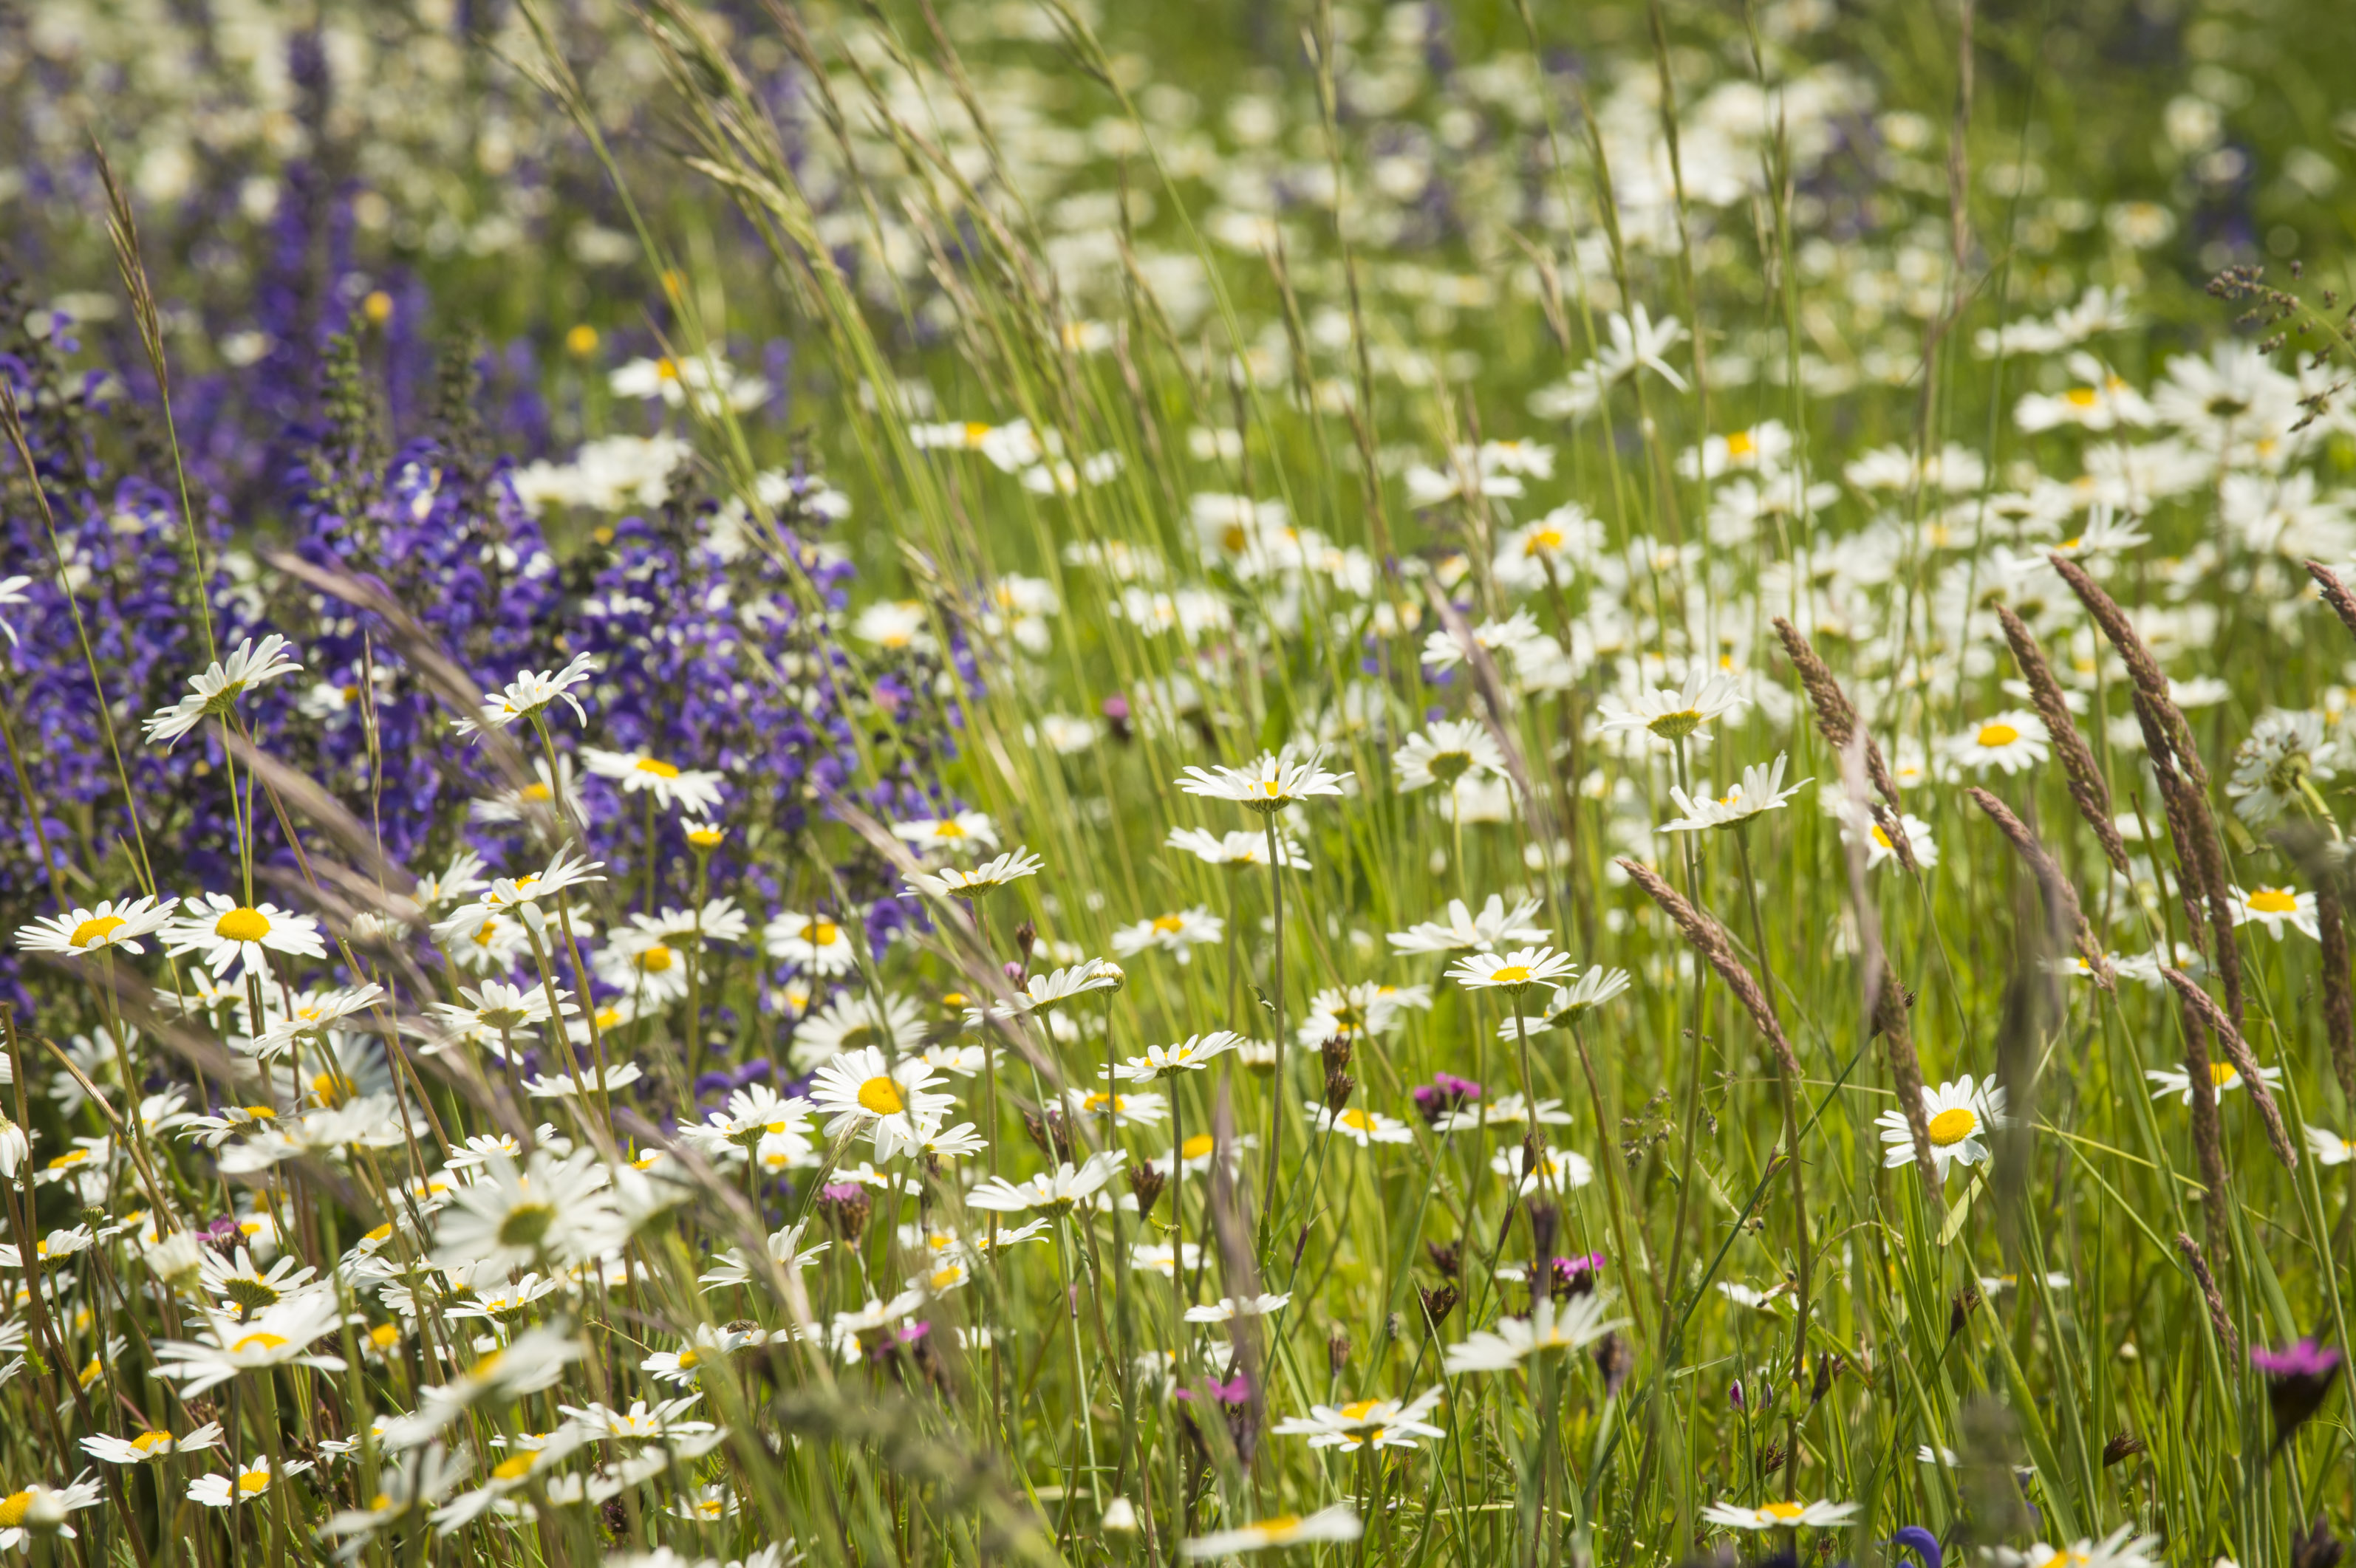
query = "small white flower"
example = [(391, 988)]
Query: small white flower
[(1336, 1523), (1817, 1515), (1516, 971), (1960, 1116), (2011, 740), (2271, 907), (114, 923), (214, 694), (1706, 695), (1269, 783), (1448, 751)]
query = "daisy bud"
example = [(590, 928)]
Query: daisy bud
[(1337, 1052), (1146, 1181), (1337, 1352), (15, 1148), (1049, 1130), (2125, 1446), (1338, 1087), (2298, 1377), (1026, 937), (1437, 1303), (1448, 1259)]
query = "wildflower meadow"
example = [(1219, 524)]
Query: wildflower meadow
[(974, 782)]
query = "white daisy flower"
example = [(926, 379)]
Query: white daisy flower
[(2329, 1148), (149, 1446), (1559, 1170), (114, 923), (41, 1510), (1362, 1422), (1572, 1325), (231, 937), (1788, 1515), (276, 1337), (1267, 783), (2271, 907), (670, 784), (1176, 934), (962, 832), (810, 943), (2013, 739), (1361, 1127), (1706, 695), (532, 692), (215, 693), (1493, 928), (1517, 971), (952, 881), (1227, 1308), (1960, 1115), (1050, 1192), (1762, 790), (1335, 1523), (549, 1209), (1446, 753), (1236, 848), (866, 1091), (2224, 1076), (1193, 1054)]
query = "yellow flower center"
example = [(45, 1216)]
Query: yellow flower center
[(821, 934), (1279, 1527), (383, 1500), (705, 837), (658, 767), (152, 1442), (688, 1360), (510, 1469), (943, 1278), (1542, 541), (534, 790), (1168, 924), (654, 959), (1100, 1099), (1786, 1511), (1196, 1147), (381, 1235), (2274, 901), (72, 1157), (258, 1341), (881, 1095), (665, 371), (1739, 444), (254, 1481), (1953, 1127), (261, 1112), (242, 925), (96, 929), (1510, 975), (2081, 396), (1880, 837), (1994, 735), (581, 341), (1359, 1409), (332, 1087), (13, 1508), (385, 1336), (2221, 1073), (1358, 1121)]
